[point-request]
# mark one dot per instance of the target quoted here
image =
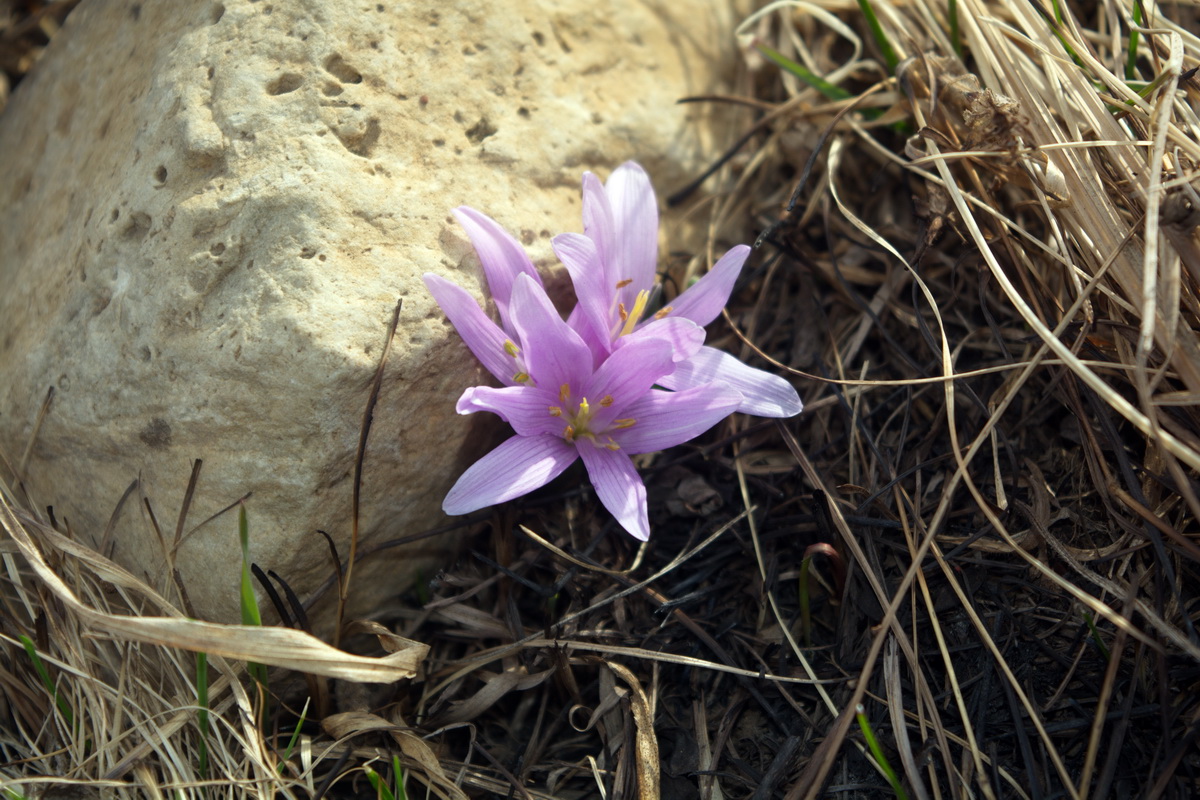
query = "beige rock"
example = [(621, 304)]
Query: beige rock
[(211, 209)]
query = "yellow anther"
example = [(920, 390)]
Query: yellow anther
[(624, 423), (639, 306), (662, 313), (624, 283), (521, 377), (621, 310), (606, 401), (564, 392), (611, 445), (511, 348), (555, 411), (569, 433)]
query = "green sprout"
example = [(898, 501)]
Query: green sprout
[(878, 755), (64, 707)]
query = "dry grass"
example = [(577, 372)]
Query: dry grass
[(983, 530)]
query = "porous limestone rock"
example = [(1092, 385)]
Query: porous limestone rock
[(210, 210)]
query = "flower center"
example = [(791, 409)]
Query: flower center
[(580, 421)]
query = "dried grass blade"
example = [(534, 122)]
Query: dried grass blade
[(280, 647)]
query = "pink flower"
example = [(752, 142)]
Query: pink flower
[(613, 267), (564, 405), (589, 387)]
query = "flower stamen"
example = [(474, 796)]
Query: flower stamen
[(639, 306), (606, 401), (624, 283), (511, 348), (663, 312), (555, 411), (624, 423)]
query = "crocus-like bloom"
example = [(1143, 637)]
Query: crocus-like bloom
[(564, 405), (613, 266)]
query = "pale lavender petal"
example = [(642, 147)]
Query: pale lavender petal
[(703, 301), (517, 467), (527, 409), (579, 255), (483, 336), (618, 486), (598, 225), (764, 394), (685, 336), (599, 345), (665, 419), (502, 257), (635, 214), (553, 352), (626, 376)]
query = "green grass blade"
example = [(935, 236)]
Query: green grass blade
[(1096, 636), (877, 753), (64, 707), (291, 745), (250, 612), (881, 40), (805, 74), (382, 791), (1131, 57), (202, 715)]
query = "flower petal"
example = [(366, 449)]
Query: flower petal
[(515, 468), (618, 486), (503, 259), (525, 408), (635, 214), (665, 419), (553, 352), (764, 394), (483, 337), (579, 255), (626, 376), (685, 336), (598, 225), (703, 301)]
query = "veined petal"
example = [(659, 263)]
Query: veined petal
[(635, 214), (579, 255), (599, 345), (618, 486), (483, 337), (685, 336), (598, 225), (764, 394), (502, 257), (665, 419), (515, 468), (553, 352), (703, 301), (525, 408), (626, 376)]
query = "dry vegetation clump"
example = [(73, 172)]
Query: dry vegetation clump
[(978, 545)]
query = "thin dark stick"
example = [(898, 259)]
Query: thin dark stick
[(363, 432)]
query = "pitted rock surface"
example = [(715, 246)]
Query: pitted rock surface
[(210, 211)]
